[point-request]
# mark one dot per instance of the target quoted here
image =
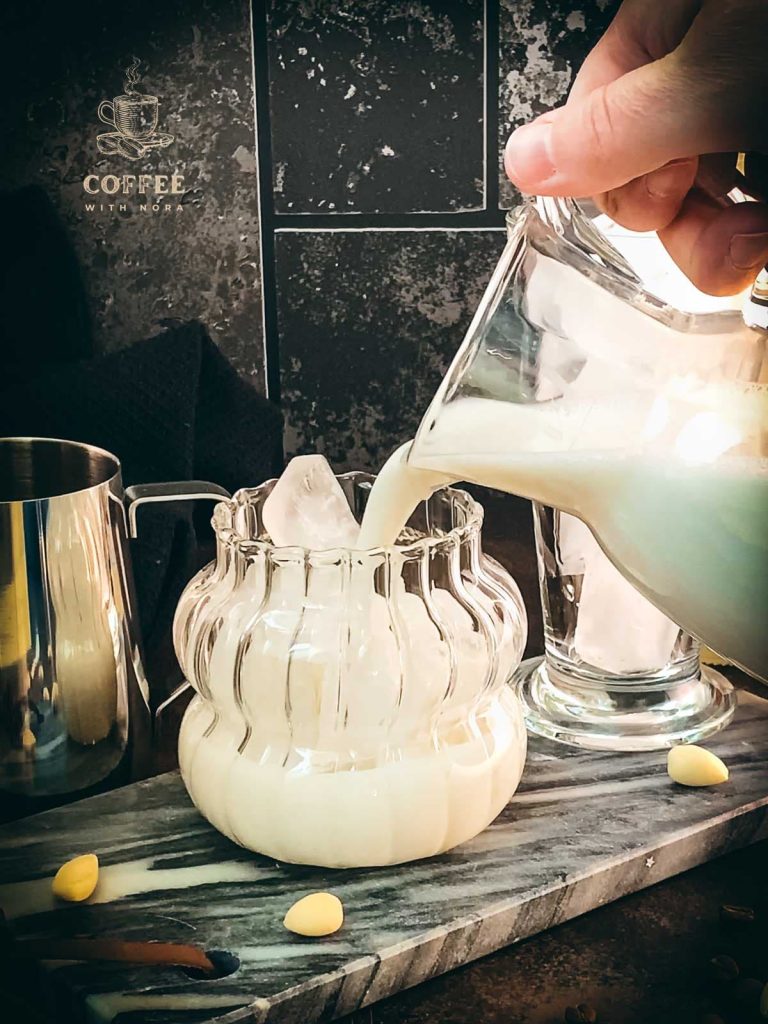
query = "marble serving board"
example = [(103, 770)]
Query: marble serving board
[(583, 829)]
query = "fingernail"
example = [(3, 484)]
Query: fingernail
[(527, 157), (669, 181), (749, 251)]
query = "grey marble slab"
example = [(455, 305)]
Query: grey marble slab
[(583, 829)]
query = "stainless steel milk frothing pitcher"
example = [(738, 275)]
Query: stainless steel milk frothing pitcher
[(74, 701)]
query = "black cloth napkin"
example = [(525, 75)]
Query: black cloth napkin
[(170, 408), (43, 302)]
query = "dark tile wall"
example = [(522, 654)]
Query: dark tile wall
[(389, 116), (141, 269), (368, 322), (385, 116), (346, 283), (387, 121), (376, 106), (376, 135)]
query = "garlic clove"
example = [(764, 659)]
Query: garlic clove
[(320, 913), (76, 880), (694, 766)]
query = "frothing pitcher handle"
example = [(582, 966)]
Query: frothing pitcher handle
[(179, 691), (179, 490)]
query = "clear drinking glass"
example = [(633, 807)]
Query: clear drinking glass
[(617, 674), (352, 707)]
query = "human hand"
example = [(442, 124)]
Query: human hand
[(652, 127)]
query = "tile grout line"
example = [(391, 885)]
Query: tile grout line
[(259, 23), (491, 126), (370, 229), (485, 104), (344, 221), (272, 223), (258, 199)]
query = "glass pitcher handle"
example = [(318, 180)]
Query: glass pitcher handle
[(179, 490)]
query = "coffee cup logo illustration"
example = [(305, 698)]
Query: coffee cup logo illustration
[(134, 117)]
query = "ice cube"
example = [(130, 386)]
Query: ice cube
[(575, 544), (617, 629), (307, 508)]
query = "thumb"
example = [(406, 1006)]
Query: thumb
[(617, 132)]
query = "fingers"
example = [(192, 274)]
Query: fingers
[(617, 132), (641, 31), (721, 249), (652, 201), (666, 83), (612, 56)]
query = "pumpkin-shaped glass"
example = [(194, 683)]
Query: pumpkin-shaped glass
[(351, 707)]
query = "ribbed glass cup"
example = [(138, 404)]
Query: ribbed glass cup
[(352, 706)]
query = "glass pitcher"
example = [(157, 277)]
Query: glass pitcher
[(596, 378)]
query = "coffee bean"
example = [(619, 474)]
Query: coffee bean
[(723, 968)]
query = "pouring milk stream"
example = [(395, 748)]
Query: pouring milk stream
[(595, 378)]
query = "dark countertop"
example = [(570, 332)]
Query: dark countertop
[(641, 960)]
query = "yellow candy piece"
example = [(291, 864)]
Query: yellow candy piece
[(694, 766), (76, 880), (320, 913)]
